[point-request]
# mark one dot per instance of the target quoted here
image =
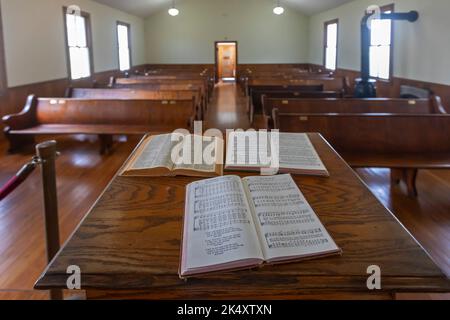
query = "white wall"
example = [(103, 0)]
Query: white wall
[(421, 49), (262, 36), (35, 44)]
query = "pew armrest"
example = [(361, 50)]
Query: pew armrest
[(268, 122), (23, 120), (191, 123), (437, 105), (275, 121)]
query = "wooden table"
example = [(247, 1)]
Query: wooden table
[(128, 246)]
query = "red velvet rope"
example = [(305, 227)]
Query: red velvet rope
[(18, 179)]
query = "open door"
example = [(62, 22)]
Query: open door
[(226, 60)]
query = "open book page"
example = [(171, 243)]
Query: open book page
[(218, 225), (243, 150), (297, 152), (286, 223), (253, 150), (200, 153), (155, 153)]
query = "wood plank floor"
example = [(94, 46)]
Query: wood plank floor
[(83, 174)]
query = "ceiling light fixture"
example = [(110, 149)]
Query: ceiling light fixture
[(174, 11), (278, 10)]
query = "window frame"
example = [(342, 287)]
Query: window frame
[(3, 73), (325, 42), (383, 9), (89, 45), (125, 24)]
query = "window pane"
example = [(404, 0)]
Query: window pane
[(330, 62), (81, 32), (124, 50), (381, 32), (76, 31), (384, 53), (75, 62), (122, 32), (332, 35), (124, 59), (374, 62), (71, 30), (79, 62), (380, 57)]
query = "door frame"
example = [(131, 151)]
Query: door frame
[(216, 51)]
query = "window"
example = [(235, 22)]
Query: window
[(123, 41), (3, 82), (79, 44), (381, 46), (331, 40)]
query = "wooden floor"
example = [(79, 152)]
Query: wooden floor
[(83, 174)]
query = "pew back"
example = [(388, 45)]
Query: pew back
[(170, 114), (130, 94), (196, 89), (143, 82), (348, 106), (328, 84), (138, 94), (374, 133), (255, 94)]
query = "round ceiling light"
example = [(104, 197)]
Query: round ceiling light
[(278, 10), (174, 12)]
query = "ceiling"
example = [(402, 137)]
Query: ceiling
[(145, 8)]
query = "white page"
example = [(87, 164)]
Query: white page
[(156, 153), (286, 223), (295, 151), (244, 154), (200, 164), (220, 225)]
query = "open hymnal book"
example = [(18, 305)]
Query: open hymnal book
[(273, 152), (232, 223), (176, 154)]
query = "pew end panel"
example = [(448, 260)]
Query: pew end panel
[(437, 106), (23, 120)]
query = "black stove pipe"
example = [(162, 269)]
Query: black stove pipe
[(365, 87)]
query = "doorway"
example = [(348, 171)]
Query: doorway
[(226, 60)]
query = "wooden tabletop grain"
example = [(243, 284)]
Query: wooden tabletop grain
[(129, 245)]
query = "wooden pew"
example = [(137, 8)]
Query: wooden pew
[(257, 87), (327, 83), (403, 143), (245, 74), (196, 90), (194, 80), (304, 92), (140, 94), (337, 105), (126, 82), (105, 118)]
